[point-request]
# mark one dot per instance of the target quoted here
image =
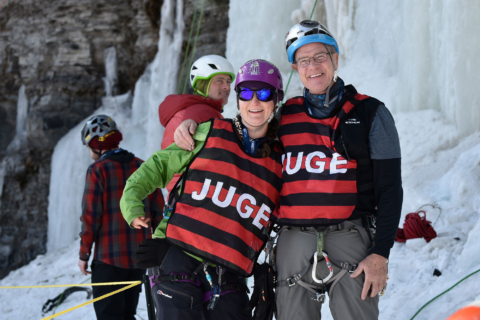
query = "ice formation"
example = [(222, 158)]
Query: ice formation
[(137, 119)]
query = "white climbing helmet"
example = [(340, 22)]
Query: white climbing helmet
[(209, 66)]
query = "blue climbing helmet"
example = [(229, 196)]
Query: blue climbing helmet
[(305, 32)]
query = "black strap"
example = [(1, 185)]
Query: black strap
[(178, 277), (173, 195), (234, 287)]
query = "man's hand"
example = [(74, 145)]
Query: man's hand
[(140, 222), (183, 133), (376, 271), (83, 265)]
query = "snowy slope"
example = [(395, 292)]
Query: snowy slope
[(411, 55), (438, 167)]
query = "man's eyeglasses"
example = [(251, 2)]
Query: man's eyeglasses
[(264, 94), (318, 58)]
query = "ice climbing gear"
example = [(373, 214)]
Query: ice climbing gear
[(55, 302), (259, 70), (216, 287), (416, 226), (181, 277), (441, 294), (100, 126), (207, 67), (305, 32)]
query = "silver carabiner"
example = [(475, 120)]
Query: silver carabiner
[(314, 268)]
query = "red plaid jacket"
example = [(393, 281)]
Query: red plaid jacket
[(102, 220)]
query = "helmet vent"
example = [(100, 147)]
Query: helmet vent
[(213, 66), (194, 68), (94, 121), (192, 77)]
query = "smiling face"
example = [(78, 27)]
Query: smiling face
[(316, 77), (220, 88), (255, 113)]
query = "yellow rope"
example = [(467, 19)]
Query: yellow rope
[(135, 283), (74, 285)]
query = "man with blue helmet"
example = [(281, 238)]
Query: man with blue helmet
[(342, 192), (341, 179)]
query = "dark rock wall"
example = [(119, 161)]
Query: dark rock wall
[(56, 49), (212, 36)]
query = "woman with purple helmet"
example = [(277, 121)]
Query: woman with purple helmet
[(217, 221)]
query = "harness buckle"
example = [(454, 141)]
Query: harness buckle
[(349, 267), (291, 281), (175, 277), (319, 296)]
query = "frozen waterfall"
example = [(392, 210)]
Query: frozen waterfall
[(137, 119), (412, 55)]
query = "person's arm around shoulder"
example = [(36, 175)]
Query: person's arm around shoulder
[(155, 173)]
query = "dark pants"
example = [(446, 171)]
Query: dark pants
[(184, 300), (120, 306)]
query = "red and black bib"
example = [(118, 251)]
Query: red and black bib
[(320, 185), (227, 198)]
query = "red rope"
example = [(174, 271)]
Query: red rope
[(416, 226)]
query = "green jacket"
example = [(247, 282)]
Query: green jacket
[(155, 173)]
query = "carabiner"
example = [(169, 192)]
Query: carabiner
[(165, 213), (314, 268)]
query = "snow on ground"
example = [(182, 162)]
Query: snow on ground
[(438, 167), (56, 267)]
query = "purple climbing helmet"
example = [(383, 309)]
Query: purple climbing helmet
[(262, 71)]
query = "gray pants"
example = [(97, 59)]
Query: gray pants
[(295, 248)]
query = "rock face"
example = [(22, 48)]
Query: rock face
[(212, 35), (56, 49)]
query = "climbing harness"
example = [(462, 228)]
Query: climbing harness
[(211, 296), (319, 289), (182, 277)]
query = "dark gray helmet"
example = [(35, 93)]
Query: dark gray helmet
[(97, 126)]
